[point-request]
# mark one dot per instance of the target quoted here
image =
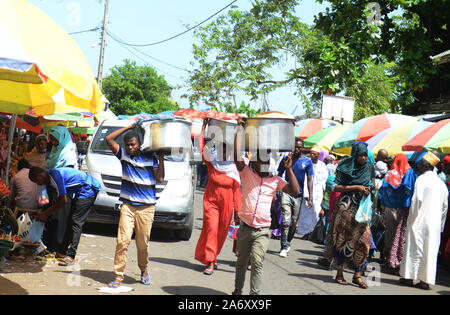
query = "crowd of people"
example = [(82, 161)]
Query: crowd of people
[(406, 209), (277, 197)]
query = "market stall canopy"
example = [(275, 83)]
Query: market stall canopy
[(392, 139), (366, 128), (106, 114), (308, 127), (20, 123), (83, 120), (435, 137), (41, 66), (325, 138)]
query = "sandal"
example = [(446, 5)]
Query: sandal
[(422, 285), (340, 280), (358, 281), (208, 271), (66, 261), (114, 284), (146, 280)]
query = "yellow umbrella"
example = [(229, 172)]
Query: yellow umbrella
[(41, 66)]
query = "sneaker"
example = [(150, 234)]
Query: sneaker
[(283, 252)]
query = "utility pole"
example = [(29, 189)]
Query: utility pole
[(264, 105), (102, 47)]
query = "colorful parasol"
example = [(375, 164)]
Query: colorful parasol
[(366, 128), (193, 114), (307, 127), (392, 139), (41, 66), (326, 137), (435, 137)]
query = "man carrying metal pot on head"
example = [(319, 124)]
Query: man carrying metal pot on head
[(140, 172), (258, 189)]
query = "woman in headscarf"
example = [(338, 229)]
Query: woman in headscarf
[(62, 154), (222, 195), (350, 240), (64, 151), (396, 194), (391, 199)]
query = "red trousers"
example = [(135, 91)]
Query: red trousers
[(216, 221), (221, 196)]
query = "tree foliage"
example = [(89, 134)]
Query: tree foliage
[(380, 59), (132, 89)]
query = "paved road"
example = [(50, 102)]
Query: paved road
[(174, 271)]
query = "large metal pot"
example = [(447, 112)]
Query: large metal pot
[(221, 131), (168, 136), (270, 134)]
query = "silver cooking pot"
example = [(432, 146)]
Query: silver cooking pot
[(221, 131), (271, 134), (168, 136)]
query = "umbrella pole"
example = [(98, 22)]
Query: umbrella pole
[(18, 134), (12, 126)]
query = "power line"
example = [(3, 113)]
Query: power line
[(85, 31), (117, 39), (177, 35), (145, 61)]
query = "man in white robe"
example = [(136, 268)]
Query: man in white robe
[(309, 217), (426, 221)]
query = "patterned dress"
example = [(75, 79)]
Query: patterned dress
[(349, 240)]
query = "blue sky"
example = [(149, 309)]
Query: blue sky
[(148, 21)]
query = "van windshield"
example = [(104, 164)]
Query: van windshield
[(100, 146)]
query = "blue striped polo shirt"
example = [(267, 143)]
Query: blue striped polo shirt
[(138, 182)]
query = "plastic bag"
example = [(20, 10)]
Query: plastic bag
[(232, 230), (36, 230), (364, 214), (319, 234), (42, 196), (23, 224)]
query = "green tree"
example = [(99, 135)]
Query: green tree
[(132, 89), (242, 52), (243, 108), (380, 97), (404, 33), (238, 52)]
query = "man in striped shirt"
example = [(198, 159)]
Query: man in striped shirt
[(140, 172)]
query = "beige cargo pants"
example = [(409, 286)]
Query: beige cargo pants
[(140, 220)]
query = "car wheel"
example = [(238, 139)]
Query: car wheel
[(185, 234)]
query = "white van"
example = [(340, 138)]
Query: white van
[(175, 196)]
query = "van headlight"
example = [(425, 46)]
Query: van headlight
[(177, 189)]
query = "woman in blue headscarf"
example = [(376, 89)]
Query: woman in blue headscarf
[(63, 154), (350, 240), (64, 151)]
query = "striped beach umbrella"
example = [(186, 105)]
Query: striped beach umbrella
[(307, 127), (325, 138), (366, 128), (392, 139), (435, 137)]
